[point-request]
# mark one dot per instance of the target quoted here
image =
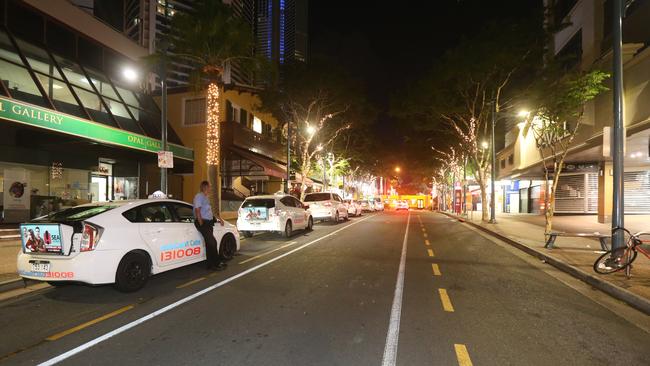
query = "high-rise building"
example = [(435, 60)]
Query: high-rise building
[(279, 27), (281, 30)]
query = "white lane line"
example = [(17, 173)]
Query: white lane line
[(392, 338), (182, 301)]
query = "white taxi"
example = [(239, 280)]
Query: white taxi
[(281, 213), (121, 242), (327, 206)]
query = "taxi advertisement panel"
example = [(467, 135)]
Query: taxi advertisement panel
[(41, 238)]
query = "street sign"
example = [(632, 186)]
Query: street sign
[(165, 159)]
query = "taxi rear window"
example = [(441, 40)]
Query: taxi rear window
[(75, 214), (259, 202), (313, 197)]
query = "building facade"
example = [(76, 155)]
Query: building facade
[(252, 149), (71, 130), (585, 185)]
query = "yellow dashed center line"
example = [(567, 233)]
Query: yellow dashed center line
[(430, 251), (446, 302), (191, 282), (462, 355), (426, 241), (436, 269), (89, 323)]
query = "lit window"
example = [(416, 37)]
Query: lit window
[(194, 112), (257, 125)]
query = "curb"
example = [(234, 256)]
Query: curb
[(14, 284), (638, 302)]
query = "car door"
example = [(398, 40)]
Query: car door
[(184, 218), (300, 214), (338, 201), (165, 238)]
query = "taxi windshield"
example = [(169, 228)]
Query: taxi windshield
[(75, 214)]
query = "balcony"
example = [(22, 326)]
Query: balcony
[(235, 134)]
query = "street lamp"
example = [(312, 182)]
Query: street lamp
[(131, 75), (330, 159), (523, 113), (397, 169), (311, 130), (485, 145)]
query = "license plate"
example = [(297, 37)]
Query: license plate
[(41, 267)]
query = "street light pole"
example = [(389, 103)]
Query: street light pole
[(287, 184), (163, 122), (493, 219), (618, 239)]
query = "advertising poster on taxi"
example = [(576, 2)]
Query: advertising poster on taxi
[(255, 213), (41, 238)]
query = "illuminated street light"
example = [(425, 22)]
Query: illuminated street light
[(485, 144), (397, 169), (130, 74), (523, 113), (311, 130)]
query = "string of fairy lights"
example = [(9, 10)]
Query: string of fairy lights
[(213, 142)]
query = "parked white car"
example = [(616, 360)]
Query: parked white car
[(326, 206), (121, 242), (280, 213), (379, 204), (367, 205), (354, 207)]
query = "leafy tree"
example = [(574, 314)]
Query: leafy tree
[(469, 84), (555, 121)]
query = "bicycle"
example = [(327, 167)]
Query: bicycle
[(622, 258)]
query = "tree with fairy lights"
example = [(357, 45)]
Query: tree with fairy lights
[(211, 38), (317, 126)]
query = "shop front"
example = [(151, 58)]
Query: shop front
[(51, 161)]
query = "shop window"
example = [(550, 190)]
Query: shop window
[(38, 59), (61, 96), (121, 114), (93, 105), (194, 112), (20, 84), (72, 72), (243, 117), (7, 50), (102, 85)]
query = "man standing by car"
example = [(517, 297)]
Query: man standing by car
[(204, 221)]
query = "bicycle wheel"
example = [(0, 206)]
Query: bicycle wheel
[(607, 263)]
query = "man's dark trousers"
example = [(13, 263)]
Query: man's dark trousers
[(210, 242)]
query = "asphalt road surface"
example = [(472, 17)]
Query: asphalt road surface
[(364, 292)]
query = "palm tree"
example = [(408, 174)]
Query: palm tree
[(210, 37)]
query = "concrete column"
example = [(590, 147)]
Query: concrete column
[(605, 192)]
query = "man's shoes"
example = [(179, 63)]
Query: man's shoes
[(218, 267)]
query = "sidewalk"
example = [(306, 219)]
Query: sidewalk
[(580, 253)]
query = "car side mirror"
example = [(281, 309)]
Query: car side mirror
[(306, 207)]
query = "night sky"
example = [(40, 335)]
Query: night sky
[(391, 45)]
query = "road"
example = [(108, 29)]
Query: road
[(335, 296)]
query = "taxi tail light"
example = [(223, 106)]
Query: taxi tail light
[(273, 212), (89, 237)]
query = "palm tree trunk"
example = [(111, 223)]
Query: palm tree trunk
[(213, 146)]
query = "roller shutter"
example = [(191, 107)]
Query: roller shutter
[(637, 192), (571, 196)]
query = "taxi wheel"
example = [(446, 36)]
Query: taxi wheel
[(347, 217), (310, 224), (288, 230), (228, 247), (336, 217), (133, 272)]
